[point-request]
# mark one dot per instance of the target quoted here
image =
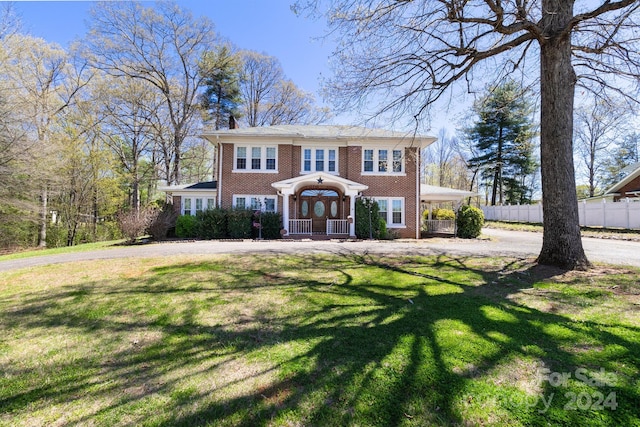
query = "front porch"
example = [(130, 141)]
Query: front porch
[(338, 228)]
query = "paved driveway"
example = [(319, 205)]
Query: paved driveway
[(500, 242)]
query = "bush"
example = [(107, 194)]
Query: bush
[(162, 219), (239, 223), (469, 222), (186, 226), (134, 224), (382, 229), (439, 214), (364, 206), (271, 225), (211, 224)]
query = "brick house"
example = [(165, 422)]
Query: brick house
[(627, 188), (313, 175)]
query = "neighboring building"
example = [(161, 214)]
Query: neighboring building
[(627, 187), (313, 175)]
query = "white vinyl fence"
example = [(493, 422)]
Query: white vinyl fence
[(624, 214)]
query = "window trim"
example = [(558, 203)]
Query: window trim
[(249, 148), (248, 198), (389, 216), (325, 160), (206, 203), (389, 161)]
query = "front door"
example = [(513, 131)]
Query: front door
[(319, 205)]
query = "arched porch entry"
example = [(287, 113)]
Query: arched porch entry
[(319, 204), (325, 208)]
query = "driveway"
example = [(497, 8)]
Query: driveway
[(497, 243)]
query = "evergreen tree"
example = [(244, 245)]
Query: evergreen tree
[(626, 154), (221, 72), (503, 136)]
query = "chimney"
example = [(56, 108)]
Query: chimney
[(233, 123)]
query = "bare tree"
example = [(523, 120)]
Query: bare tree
[(270, 99), (597, 127), (410, 53), (42, 83), (161, 46)]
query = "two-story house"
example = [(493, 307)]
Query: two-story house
[(313, 176)]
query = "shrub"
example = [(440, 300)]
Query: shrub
[(382, 229), (271, 225), (439, 214), (469, 222), (162, 219), (134, 224), (239, 223), (364, 222), (211, 224), (186, 226)]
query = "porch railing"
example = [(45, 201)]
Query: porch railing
[(300, 226), (440, 226), (337, 226)]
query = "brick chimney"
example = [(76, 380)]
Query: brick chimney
[(233, 123)]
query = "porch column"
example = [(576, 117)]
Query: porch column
[(285, 212), (352, 213)]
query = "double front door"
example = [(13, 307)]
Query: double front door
[(319, 205)]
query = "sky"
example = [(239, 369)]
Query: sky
[(266, 26)]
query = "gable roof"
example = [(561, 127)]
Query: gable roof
[(631, 172), (316, 132)]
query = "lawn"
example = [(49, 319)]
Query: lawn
[(318, 340)]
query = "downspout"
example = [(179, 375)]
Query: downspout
[(219, 186), (417, 169)]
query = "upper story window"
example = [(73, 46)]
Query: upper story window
[(382, 161), (256, 159), (319, 160)]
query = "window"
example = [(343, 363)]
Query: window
[(368, 161), (263, 159), (395, 216), (397, 161), (187, 207), (307, 160), (271, 158), (379, 162), (211, 204), (332, 161), (264, 203), (241, 158), (198, 205), (319, 160), (382, 160), (383, 209), (256, 156)]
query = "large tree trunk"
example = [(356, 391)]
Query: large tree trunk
[(561, 244)]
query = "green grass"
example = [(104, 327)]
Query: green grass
[(63, 250), (316, 340)]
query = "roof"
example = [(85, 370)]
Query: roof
[(198, 186), (433, 193), (631, 172), (333, 132)]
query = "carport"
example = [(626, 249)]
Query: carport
[(430, 194)]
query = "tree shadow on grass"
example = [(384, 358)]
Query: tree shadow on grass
[(350, 339)]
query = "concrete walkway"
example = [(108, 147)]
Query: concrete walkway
[(497, 243)]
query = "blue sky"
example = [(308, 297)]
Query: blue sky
[(267, 26)]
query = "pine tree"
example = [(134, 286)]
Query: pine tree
[(221, 72), (503, 135)]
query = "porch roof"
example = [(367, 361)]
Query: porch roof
[(292, 185), (433, 193)]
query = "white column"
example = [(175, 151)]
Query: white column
[(285, 211), (352, 213)]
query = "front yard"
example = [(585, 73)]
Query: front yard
[(318, 340)]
